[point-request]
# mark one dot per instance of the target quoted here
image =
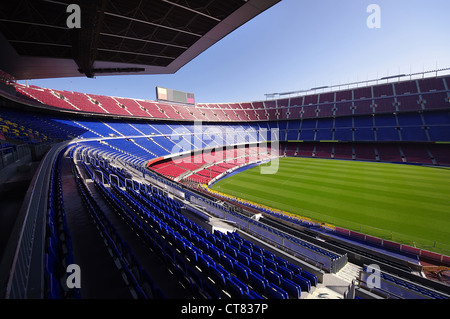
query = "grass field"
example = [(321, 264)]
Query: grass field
[(405, 203)]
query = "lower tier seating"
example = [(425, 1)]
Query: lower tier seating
[(211, 265)]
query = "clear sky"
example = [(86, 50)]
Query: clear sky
[(296, 45)]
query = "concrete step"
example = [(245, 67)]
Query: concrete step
[(349, 272)]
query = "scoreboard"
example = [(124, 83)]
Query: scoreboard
[(164, 94)]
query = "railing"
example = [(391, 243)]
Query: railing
[(26, 278), (359, 84), (391, 286), (383, 237), (10, 153), (276, 238)]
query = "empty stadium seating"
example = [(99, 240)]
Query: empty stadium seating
[(391, 286), (212, 263), (405, 96), (405, 122), (59, 248)]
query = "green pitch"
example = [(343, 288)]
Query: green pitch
[(404, 203)]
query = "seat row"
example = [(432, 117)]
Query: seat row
[(58, 243), (214, 257), (168, 217), (137, 279), (233, 255), (392, 284), (332, 256), (393, 97), (324, 252), (155, 233)]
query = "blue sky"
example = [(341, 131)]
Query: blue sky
[(296, 45)]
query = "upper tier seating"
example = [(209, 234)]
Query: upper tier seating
[(405, 96)]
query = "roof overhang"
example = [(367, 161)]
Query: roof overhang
[(116, 37)]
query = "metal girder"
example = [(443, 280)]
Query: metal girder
[(85, 39)]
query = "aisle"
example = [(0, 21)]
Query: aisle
[(100, 278), (90, 249)]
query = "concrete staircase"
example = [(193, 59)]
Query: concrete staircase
[(334, 285)]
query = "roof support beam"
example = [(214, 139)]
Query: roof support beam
[(153, 24), (40, 43), (85, 39), (145, 41), (34, 24), (137, 53), (192, 10)]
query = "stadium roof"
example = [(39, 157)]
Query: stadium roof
[(115, 37)]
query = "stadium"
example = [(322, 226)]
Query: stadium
[(336, 192)]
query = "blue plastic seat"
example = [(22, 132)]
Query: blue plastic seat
[(241, 283), (294, 290), (182, 276), (273, 276), (214, 253), (209, 260), (217, 276), (218, 233), (246, 249), (52, 247), (54, 290), (257, 282), (235, 243), (258, 250), (225, 273), (49, 263), (281, 261), (269, 255), (238, 288), (194, 274), (234, 289), (312, 278), (242, 271), (211, 291), (275, 292), (227, 262), (256, 256), (220, 244), (204, 245), (269, 263), (211, 238), (203, 263), (257, 267), (231, 251), (285, 272), (243, 258), (253, 295), (304, 283), (296, 269)]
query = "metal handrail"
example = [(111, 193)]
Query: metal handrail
[(26, 278)]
